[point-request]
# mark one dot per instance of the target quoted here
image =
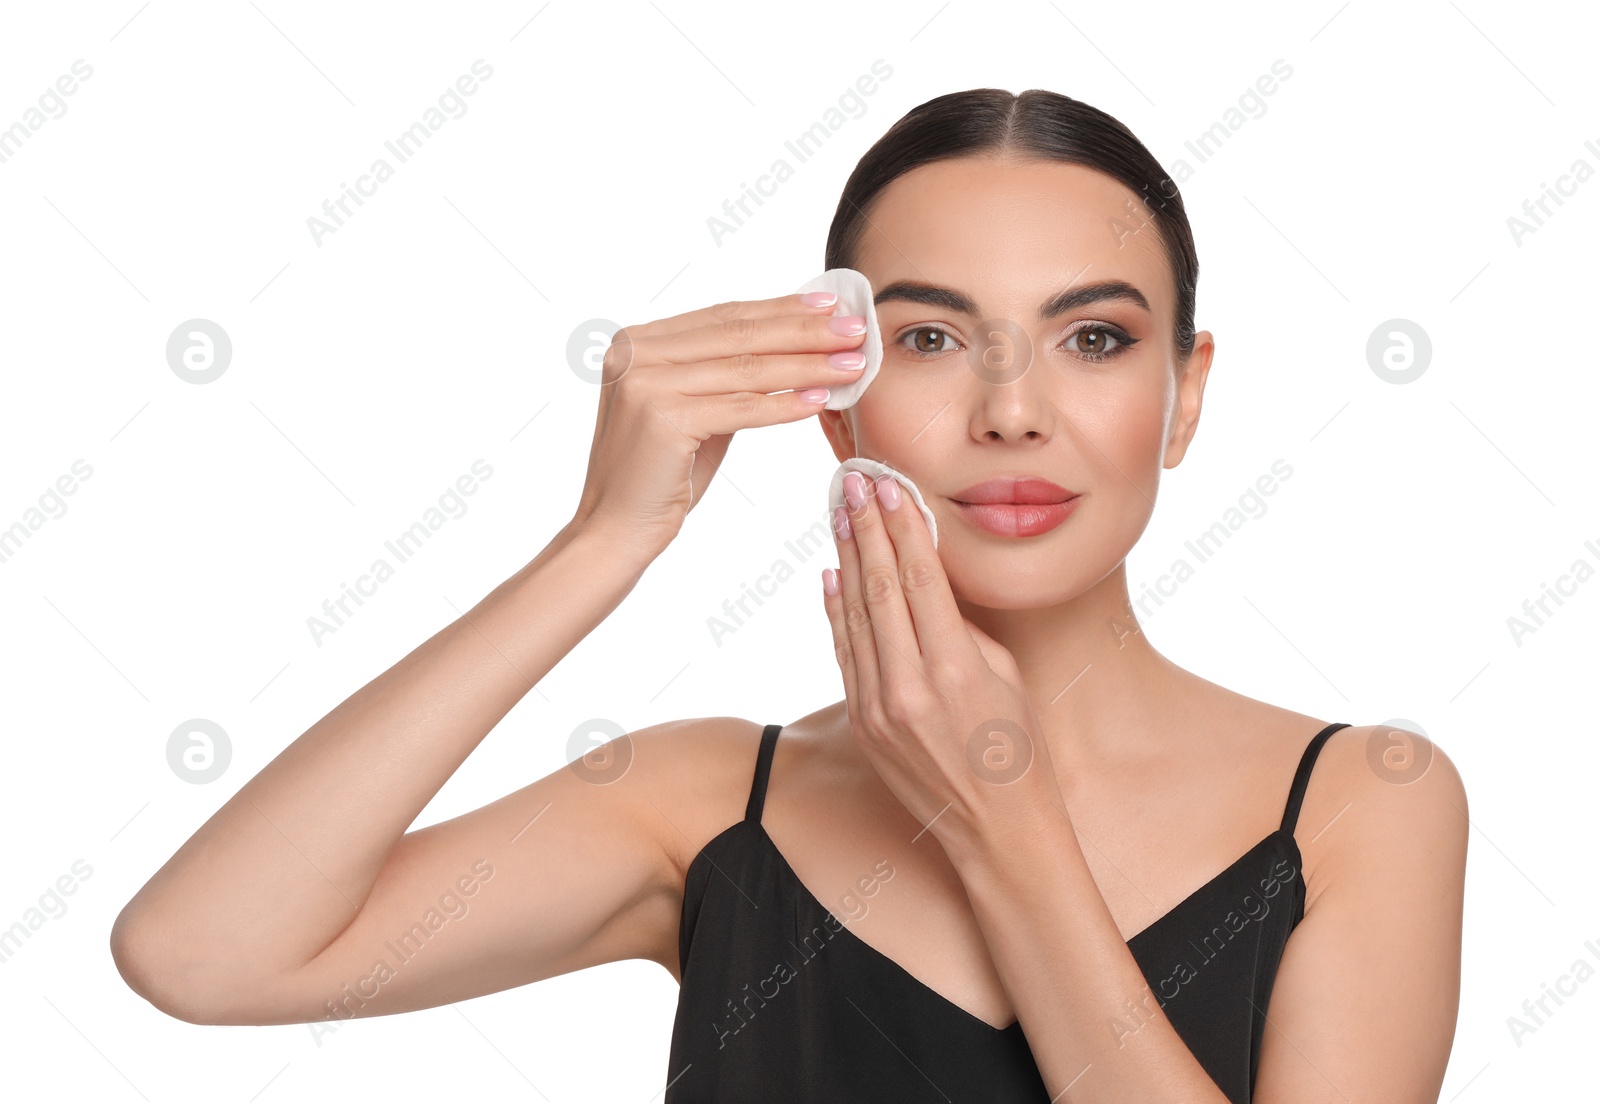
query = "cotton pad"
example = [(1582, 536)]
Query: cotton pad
[(855, 297), (872, 469)]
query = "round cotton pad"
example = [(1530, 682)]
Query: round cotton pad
[(855, 297), (872, 469)]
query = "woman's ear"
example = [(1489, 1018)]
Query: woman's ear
[(1191, 389), (841, 435)]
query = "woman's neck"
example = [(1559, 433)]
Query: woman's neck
[(1095, 681)]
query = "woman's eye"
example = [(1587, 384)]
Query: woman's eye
[(925, 341), (1092, 342)]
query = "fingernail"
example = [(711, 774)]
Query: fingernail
[(830, 581), (818, 298), (841, 522), (847, 325), (855, 489), (850, 358), (888, 492)]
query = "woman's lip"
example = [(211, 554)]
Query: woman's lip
[(1013, 519), (1016, 489)]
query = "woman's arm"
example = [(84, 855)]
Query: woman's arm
[(1067, 969), (244, 924), (1365, 1002), (273, 878)]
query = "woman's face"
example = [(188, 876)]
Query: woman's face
[(976, 383)]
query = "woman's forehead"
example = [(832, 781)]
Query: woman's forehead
[(976, 222)]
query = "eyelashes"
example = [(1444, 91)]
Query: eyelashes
[(1123, 342)]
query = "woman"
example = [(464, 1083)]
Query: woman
[(1063, 865)]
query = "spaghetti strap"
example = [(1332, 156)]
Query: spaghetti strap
[(1297, 790), (758, 787)]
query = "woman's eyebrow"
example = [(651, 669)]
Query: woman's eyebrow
[(912, 291)]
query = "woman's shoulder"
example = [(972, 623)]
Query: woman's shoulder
[(1395, 751), (706, 766), (1372, 792), (692, 778), (1389, 765), (1392, 768), (1382, 786)]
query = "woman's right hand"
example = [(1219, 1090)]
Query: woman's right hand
[(674, 392)]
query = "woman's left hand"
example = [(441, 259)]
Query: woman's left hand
[(936, 705)]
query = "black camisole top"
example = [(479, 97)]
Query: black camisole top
[(781, 1002)]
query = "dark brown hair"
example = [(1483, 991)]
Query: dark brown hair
[(1038, 123)]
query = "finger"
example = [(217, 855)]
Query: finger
[(796, 330), (739, 374), (834, 605), (857, 617), (766, 373), (879, 571), (936, 620), (718, 313)]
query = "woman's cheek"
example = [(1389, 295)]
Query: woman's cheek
[(903, 416)]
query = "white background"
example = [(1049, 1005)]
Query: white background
[(371, 370)]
